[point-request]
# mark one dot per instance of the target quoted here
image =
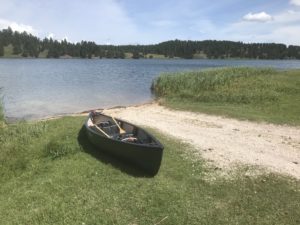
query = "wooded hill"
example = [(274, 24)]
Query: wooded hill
[(16, 44)]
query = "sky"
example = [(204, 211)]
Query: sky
[(122, 22)]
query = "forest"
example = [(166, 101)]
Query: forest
[(22, 44)]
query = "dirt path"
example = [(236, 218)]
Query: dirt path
[(224, 141)]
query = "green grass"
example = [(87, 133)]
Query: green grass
[(128, 55), (245, 93), (50, 174), (200, 55), (2, 117), (155, 56), (8, 52), (43, 54)]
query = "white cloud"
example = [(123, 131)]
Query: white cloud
[(295, 2), (93, 20), (50, 35), (65, 38), (258, 17), (284, 28), (98, 21), (17, 26), (288, 33), (287, 17)]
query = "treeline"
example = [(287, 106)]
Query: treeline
[(27, 45), (228, 49)]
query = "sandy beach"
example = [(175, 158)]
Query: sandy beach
[(224, 142)]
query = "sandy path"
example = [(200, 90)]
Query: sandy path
[(224, 141)]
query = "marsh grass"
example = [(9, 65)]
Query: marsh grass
[(246, 93), (1, 114), (51, 174), (2, 117)]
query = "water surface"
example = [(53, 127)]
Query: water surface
[(36, 88)]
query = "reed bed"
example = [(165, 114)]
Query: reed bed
[(247, 93), (234, 85), (1, 113)]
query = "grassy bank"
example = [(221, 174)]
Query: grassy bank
[(1, 112), (50, 174), (245, 93)]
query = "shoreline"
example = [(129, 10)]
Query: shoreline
[(95, 58), (225, 143), (85, 112)]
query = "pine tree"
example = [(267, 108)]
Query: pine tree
[(1, 50)]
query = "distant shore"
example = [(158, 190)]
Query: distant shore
[(160, 57), (14, 44)]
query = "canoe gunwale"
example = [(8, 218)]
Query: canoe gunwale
[(157, 144)]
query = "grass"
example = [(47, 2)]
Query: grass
[(244, 93), (50, 174), (128, 55), (43, 54), (200, 55), (2, 117), (8, 52), (156, 56)]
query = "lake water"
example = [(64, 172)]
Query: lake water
[(36, 88)]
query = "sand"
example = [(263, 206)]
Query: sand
[(223, 141)]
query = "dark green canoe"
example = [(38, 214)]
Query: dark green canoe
[(125, 141)]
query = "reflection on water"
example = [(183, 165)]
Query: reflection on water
[(35, 88)]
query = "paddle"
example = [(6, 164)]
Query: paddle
[(91, 124), (121, 130), (102, 131)]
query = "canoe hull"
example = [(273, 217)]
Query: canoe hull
[(145, 157)]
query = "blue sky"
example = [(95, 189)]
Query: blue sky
[(148, 22)]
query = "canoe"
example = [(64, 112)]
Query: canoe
[(125, 141)]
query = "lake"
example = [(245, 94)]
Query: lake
[(37, 88)]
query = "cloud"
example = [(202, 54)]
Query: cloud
[(50, 35), (295, 2), (65, 38), (288, 33), (287, 18), (99, 20), (283, 28), (93, 20), (17, 26), (120, 22), (258, 17)]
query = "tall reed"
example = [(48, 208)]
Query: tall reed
[(232, 85), (1, 112)]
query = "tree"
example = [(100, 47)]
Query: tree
[(1, 50), (135, 55), (29, 45)]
